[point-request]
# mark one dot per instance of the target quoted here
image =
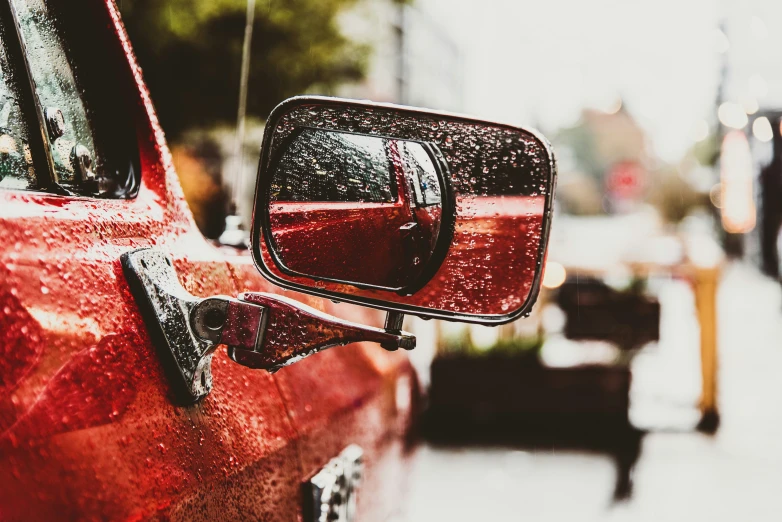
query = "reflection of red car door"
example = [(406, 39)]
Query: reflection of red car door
[(363, 239), (506, 229), (415, 246), (428, 219), (367, 242)]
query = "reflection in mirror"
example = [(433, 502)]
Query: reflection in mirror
[(363, 210)]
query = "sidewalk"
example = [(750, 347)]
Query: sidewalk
[(680, 475)]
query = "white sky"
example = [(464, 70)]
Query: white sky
[(539, 62)]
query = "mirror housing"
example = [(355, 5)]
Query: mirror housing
[(476, 255)]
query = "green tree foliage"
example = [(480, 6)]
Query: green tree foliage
[(190, 51)]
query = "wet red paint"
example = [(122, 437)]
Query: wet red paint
[(349, 394), (95, 387), (20, 352)]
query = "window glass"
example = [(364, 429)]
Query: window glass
[(16, 168), (74, 150)]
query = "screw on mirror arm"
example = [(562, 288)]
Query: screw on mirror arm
[(393, 326), (266, 331)]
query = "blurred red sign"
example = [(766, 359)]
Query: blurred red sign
[(625, 180)]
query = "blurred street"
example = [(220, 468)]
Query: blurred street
[(681, 474)]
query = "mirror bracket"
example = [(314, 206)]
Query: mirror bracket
[(261, 331), (165, 306), (394, 321), (290, 331)]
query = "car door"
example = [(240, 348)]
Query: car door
[(89, 429)]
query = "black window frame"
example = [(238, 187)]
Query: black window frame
[(46, 180)]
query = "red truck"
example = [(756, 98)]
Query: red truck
[(93, 424)]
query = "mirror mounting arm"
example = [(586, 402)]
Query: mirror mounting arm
[(261, 331), (268, 332)]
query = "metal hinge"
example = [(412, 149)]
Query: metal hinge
[(166, 307)]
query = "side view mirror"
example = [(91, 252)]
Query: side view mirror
[(401, 209)]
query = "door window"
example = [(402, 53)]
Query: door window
[(16, 167), (69, 130), (89, 144)]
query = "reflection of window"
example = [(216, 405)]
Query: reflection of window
[(334, 166), (16, 169), (421, 174)]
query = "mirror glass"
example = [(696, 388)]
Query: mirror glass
[(364, 210), (403, 209)]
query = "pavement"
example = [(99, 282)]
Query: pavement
[(680, 475)]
